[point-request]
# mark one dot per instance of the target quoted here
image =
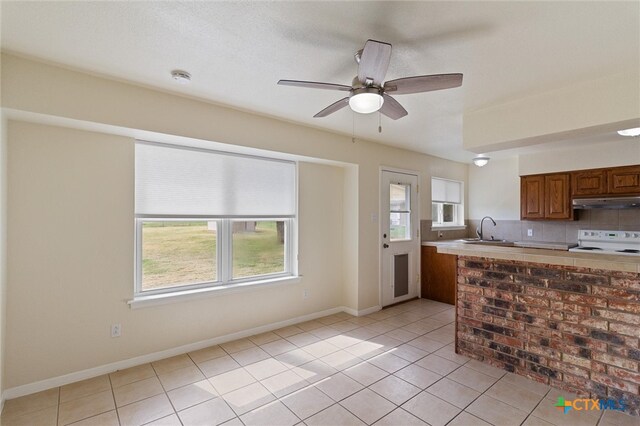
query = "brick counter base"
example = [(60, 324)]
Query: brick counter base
[(576, 329)]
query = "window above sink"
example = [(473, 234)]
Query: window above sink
[(447, 204)]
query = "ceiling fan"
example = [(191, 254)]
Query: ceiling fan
[(369, 93)]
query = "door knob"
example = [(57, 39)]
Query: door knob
[(385, 245)]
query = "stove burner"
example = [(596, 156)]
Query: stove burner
[(628, 251), (589, 248)]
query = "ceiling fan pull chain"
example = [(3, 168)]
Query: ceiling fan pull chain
[(353, 127), (379, 122)]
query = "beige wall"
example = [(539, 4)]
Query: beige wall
[(71, 259), (51, 91), (494, 190), (81, 286), (624, 152), (584, 108)]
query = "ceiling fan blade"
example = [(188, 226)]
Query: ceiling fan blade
[(374, 62), (423, 83), (314, 85), (333, 108), (392, 108)]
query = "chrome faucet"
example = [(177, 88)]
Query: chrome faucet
[(479, 231)]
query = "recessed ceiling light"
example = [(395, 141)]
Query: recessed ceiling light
[(481, 161), (630, 132), (182, 77)]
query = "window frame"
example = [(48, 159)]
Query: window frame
[(224, 283), (224, 254), (459, 222)]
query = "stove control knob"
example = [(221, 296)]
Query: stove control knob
[(627, 235)]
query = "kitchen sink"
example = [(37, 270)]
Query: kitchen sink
[(503, 243)]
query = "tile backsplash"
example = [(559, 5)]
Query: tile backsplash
[(429, 235), (556, 231)]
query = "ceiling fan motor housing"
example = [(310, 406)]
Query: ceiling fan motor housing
[(368, 89), (356, 83)]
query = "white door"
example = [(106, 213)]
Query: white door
[(400, 241)]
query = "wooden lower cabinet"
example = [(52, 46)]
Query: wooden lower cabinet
[(438, 275)]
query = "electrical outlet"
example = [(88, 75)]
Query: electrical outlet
[(116, 330), (305, 293), (529, 232)]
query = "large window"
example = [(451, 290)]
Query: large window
[(206, 218), (447, 209)]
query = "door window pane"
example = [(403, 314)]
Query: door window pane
[(258, 248), (400, 226), (399, 197), (177, 253), (399, 212)]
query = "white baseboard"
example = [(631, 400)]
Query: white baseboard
[(53, 382), (362, 312)]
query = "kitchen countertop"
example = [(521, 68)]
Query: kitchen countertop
[(553, 257)]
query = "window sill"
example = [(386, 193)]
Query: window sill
[(448, 227), (143, 301)]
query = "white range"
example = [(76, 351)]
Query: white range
[(625, 243)]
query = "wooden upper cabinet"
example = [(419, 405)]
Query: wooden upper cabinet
[(549, 196), (624, 180), (557, 198), (546, 197), (588, 182), (532, 197)]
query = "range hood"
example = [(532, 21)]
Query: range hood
[(607, 203)]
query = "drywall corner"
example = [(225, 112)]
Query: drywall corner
[(350, 238), (3, 242), (3, 248)]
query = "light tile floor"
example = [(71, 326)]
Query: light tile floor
[(394, 367)]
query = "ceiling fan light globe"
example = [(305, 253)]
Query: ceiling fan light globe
[(366, 103)]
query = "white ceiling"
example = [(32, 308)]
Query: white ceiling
[(237, 51)]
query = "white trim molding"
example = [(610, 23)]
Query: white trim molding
[(362, 312), (53, 382), (219, 290)]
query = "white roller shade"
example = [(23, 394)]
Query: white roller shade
[(446, 191), (173, 180)]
